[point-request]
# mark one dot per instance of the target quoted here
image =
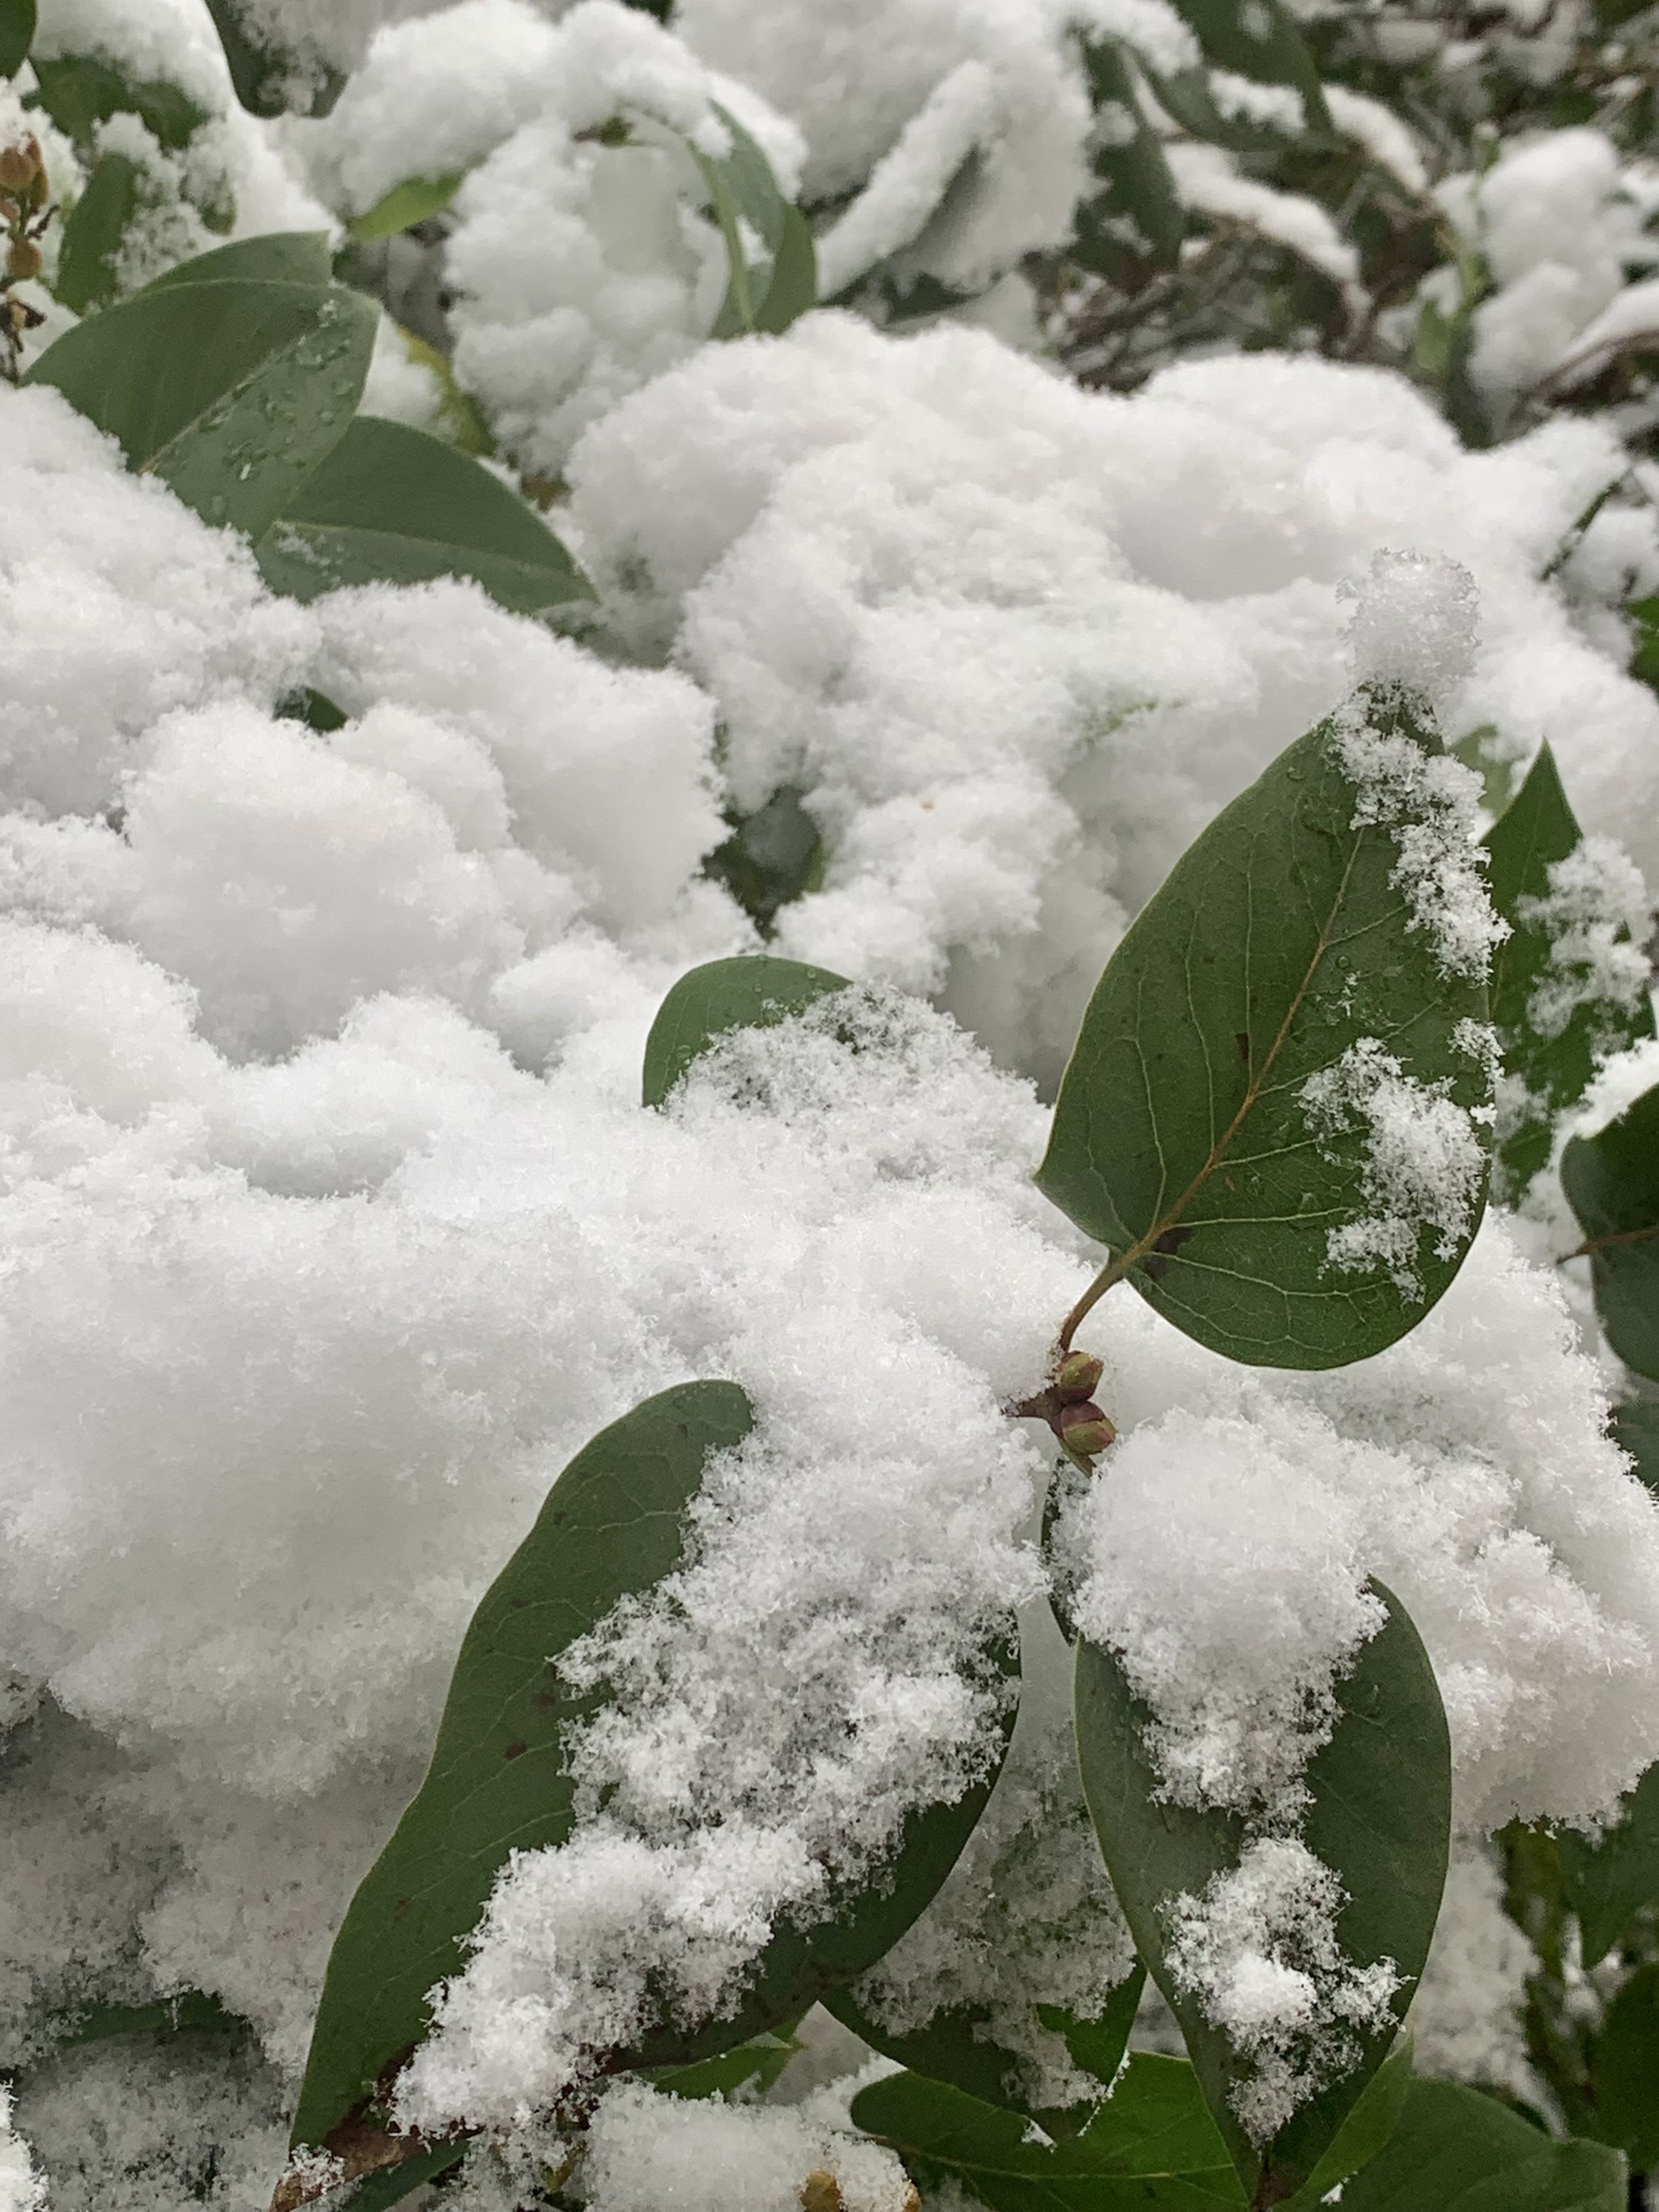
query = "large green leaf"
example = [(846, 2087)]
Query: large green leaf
[(1605, 1880), (612, 1523), (1151, 2145), (79, 92), (92, 236), (389, 504), (1612, 1184), (16, 34), (1535, 831), (1628, 2070), (230, 391), (1277, 951), (751, 992), (276, 257), (1378, 1816), (268, 80), (1457, 2151), (958, 2046)]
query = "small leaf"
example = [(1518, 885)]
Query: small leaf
[(390, 504), (1278, 956), (1455, 2150), (268, 81), (16, 34), (1151, 2144), (1262, 42), (92, 234), (464, 425), (745, 193), (1612, 1184), (1626, 2067), (405, 205), (192, 2011), (751, 992), (231, 391), (612, 1523), (313, 707), (760, 2062), (1129, 160), (393, 2183), (1537, 830), (1379, 1817), (1636, 1429), (79, 92), (1606, 1878)]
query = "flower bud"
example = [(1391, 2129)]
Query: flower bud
[(19, 166), (1079, 1374), (22, 259), (1084, 1429)]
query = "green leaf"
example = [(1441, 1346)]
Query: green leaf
[(1379, 1816), (1636, 1429), (389, 504), (1605, 1880), (1181, 1138), (464, 425), (760, 2062), (1455, 2150), (268, 81), (1364, 2131), (231, 391), (414, 201), (1612, 1184), (751, 992), (1534, 832), (79, 92), (313, 707), (277, 257), (191, 2012), (92, 236), (16, 34), (612, 1523), (1262, 42), (1139, 188), (393, 2183), (1626, 2062), (769, 295), (1151, 2144), (772, 858), (955, 2046)]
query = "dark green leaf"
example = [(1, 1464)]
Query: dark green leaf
[(276, 257), (92, 234), (1181, 1138), (1605, 1880), (1151, 2145), (1457, 2151), (1636, 1429), (231, 391), (79, 92), (760, 2062), (1139, 189), (394, 2182), (1097, 2045), (16, 34), (612, 1523), (743, 190), (269, 80), (1628, 2070), (751, 991), (1364, 2131), (405, 205), (1535, 831), (389, 504), (191, 2011), (1612, 1184), (314, 708), (772, 857), (1379, 1817), (1259, 42)]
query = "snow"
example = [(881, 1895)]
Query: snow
[(1208, 178), (1467, 2019), (1595, 915)]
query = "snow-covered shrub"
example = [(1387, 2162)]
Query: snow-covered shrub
[(595, 716)]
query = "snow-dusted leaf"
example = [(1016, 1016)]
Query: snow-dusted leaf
[(1612, 1184), (749, 992), (1626, 2065), (1378, 1819), (268, 80), (81, 91), (1569, 984), (1455, 2150), (92, 236), (767, 293), (1635, 1426), (1277, 1116), (414, 201), (1136, 216), (1153, 2144), (230, 389), (612, 1523), (390, 504), (1257, 43), (16, 34), (759, 2062), (959, 2045), (1606, 1878)]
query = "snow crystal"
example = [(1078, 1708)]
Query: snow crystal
[(1415, 623), (1596, 917), (1423, 1170), (1467, 2017), (1259, 1952)]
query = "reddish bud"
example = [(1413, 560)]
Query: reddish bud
[(1079, 1374), (19, 166), (22, 259), (1085, 1430)]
